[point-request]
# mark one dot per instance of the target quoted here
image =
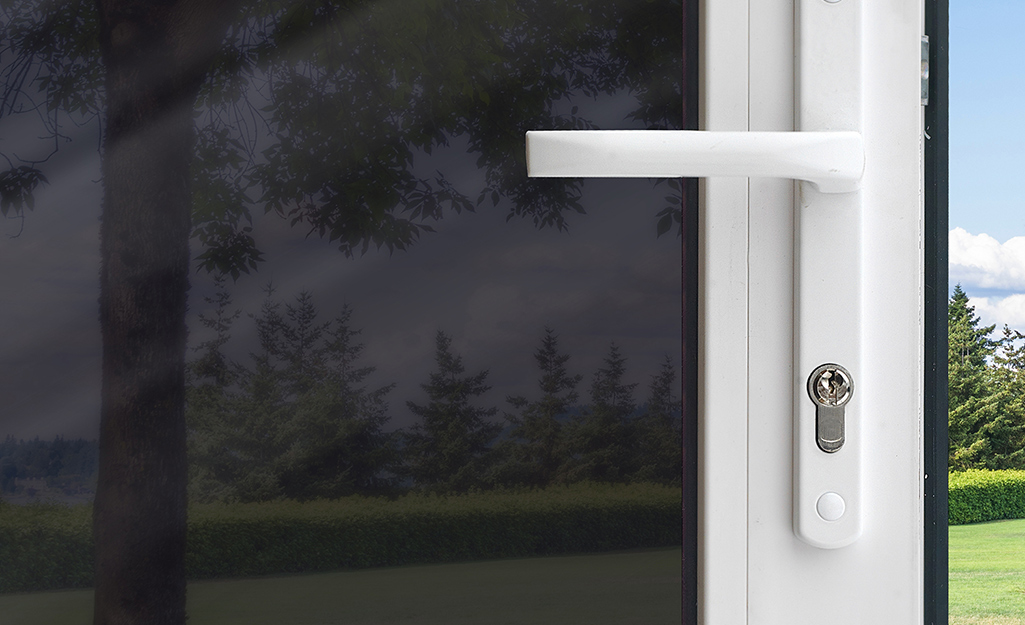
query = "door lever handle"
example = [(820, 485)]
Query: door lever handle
[(833, 161)]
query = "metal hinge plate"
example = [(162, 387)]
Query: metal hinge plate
[(925, 70)]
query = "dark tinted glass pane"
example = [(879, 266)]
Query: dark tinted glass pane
[(439, 390)]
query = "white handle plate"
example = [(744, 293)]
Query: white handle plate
[(828, 272)]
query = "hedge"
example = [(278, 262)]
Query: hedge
[(44, 546), (976, 496), (49, 547)]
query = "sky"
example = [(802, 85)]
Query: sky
[(987, 157)]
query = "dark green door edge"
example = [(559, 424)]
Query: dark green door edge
[(936, 228)]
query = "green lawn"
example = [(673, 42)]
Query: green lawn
[(987, 573), (624, 588)]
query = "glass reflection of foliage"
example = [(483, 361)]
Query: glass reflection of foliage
[(318, 110), (355, 91), (296, 422)]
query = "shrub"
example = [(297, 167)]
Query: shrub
[(48, 547), (976, 496), (44, 546), (357, 532)]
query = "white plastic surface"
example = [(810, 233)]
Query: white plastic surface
[(724, 308), (759, 572), (832, 161), (828, 285), (830, 507), (877, 578)]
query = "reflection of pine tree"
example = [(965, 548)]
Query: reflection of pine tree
[(296, 340), (448, 450), (660, 431), (337, 447), (603, 439), (298, 423), (536, 446), (211, 411)]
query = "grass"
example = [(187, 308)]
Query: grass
[(625, 588), (987, 573)]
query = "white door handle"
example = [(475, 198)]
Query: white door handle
[(832, 161), (826, 153)]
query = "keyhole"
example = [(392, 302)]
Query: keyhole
[(831, 386)]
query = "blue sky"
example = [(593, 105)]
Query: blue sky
[(987, 157)]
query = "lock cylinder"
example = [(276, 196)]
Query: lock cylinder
[(830, 387)]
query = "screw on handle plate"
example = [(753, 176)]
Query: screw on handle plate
[(830, 387)]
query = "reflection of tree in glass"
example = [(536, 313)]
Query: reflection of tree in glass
[(448, 450), (660, 434), (536, 445), (603, 440), (296, 423), (314, 110)]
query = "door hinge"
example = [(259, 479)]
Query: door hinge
[(925, 70)]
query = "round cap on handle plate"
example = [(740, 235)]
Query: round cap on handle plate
[(830, 506)]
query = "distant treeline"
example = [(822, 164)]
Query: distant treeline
[(69, 464), (297, 419)]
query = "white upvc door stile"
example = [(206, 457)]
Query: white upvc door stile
[(893, 270), (771, 319), (754, 569), (723, 280)]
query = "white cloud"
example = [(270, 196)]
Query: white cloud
[(980, 261), (1008, 310)]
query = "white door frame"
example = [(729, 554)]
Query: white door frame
[(752, 568)]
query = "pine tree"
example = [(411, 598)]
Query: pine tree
[(300, 352), (338, 447), (660, 430), (298, 422), (235, 413), (603, 439), (972, 402), (1000, 441), (536, 446), (209, 381), (448, 450), (247, 438)]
